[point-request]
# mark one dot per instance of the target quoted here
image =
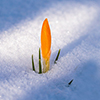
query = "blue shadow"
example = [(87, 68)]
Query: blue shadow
[(14, 11)]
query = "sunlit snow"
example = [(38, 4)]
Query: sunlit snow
[(74, 29)]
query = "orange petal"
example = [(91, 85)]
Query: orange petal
[(46, 40)]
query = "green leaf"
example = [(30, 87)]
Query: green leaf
[(39, 53), (70, 82), (40, 67), (33, 64), (57, 56)]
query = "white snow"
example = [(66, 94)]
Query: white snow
[(75, 30)]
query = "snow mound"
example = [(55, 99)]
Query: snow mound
[(75, 31)]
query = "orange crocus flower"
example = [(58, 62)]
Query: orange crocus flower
[(46, 45)]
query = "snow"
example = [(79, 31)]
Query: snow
[(75, 30)]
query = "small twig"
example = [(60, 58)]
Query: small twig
[(33, 64), (57, 56)]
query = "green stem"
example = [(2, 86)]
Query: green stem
[(57, 56)]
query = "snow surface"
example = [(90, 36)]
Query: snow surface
[(75, 30)]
